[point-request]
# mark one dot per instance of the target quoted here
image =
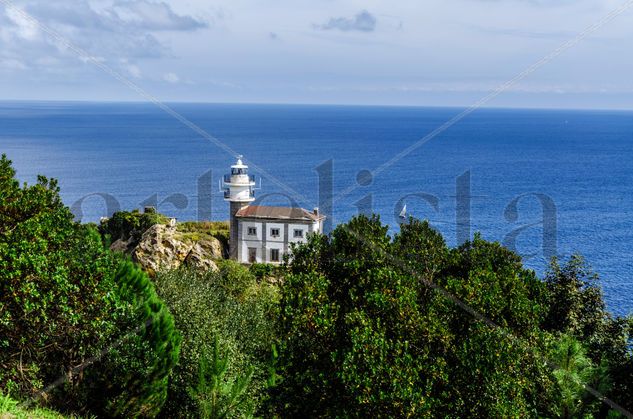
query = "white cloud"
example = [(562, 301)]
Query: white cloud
[(154, 16), (134, 71), (171, 77), (24, 28), (363, 22), (117, 30)]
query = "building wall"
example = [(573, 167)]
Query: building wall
[(263, 241), (272, 226), (247, 240), (304, 228)]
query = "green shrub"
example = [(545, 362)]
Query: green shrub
[(132, 378), (206, 229), (127, 225), (11, 409), (576, 309), (261, 270), (232, 306), (63, 306), (364, 334), (215, 397)]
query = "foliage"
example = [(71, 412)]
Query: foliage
[(55, 286), (217, 398), (367, 333), (62, 307), (576, 307), (574, 371), (206, 229), (10, 408), (362, 325), (231, 305), (266, 271), (130, 225), (132, 378)]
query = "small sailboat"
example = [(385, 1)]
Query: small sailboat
[(403, 213)]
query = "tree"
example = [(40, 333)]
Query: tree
[(373, 326), (217, 398), (63, 307), (575, 307), (574, 371), (229, 306), (132, 378)]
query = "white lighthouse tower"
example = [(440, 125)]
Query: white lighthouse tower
[(239, 190)]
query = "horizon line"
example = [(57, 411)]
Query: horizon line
[(350, 105)]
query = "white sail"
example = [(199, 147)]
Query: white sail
[(403, 213)]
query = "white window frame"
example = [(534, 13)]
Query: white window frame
[(278, 258), (275, 232), (251, 231), (297, 233)]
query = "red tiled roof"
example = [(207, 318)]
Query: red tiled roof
[(277, 213)]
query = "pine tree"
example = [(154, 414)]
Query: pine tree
[(216, 397)]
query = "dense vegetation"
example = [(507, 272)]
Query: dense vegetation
[(129, 225), (10, 408), (229, 312), (356, 323), (408, 327), (197, 230), (64, 301)]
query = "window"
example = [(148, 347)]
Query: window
[(274, 255), (298, 233), (252, 254), (274, 232), (252, 231)]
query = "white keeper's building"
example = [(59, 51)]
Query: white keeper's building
[(262, 234)]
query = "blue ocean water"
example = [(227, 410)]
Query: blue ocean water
[(507, 166)]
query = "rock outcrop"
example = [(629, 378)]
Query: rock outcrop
[(163, 247)]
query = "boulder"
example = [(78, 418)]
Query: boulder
[(198, 258), (162, 247)]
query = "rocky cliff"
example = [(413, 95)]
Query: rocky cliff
[(165, 245)]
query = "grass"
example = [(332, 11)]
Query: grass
[(10, 409), (196, 230)]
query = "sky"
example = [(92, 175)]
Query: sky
[(401, 52)]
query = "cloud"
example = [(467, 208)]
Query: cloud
[(362, 22), (132, 69), (154, 16), (119, 32), (171, 77), (24, 28)]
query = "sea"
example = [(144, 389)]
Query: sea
[(542, 182)]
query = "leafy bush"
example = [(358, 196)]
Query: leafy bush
[(215, 397), (10, 408), (207, 229), (62, 304), (365, 333), (127, 225), (233, 307), (263, 271), (576, 310), (132, 378)]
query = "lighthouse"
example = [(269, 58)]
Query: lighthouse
[(258, 233), (239, 191)]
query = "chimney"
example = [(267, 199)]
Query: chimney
[(316, 210)]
